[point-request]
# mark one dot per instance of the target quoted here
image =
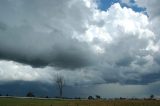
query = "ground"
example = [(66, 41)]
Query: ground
[(58, 102)]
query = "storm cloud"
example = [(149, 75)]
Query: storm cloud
[(40, 33), (78, 40)]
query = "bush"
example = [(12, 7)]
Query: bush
[(152, 96), (30, 94), (90, 98), (98, 97)]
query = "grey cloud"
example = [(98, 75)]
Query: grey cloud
[(74, 54), (40, 33), (124, 61), (151, 7), (149, 78), (157, 58), (20, 88), (2, 26), (141, 61), (62, 53)]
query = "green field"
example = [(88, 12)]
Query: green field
[(51, 102)]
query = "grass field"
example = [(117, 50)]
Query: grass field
[(51, 102)]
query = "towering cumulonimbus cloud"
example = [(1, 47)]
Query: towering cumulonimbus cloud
[(76, 38)]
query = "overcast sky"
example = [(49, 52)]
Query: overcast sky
[(109, 46)]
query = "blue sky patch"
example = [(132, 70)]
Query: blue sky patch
[(105, 4)]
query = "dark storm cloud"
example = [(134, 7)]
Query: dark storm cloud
[(74, 56), (63, 54), (141, 61), (21, 88), (47, 39), (125, 61), (157, 58), (149, 78), (144, 79)]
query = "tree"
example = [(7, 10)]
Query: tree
[(60, 84), (90, 98), (98, 97), (152, 96), (30, 94)]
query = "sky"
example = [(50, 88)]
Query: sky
[(101, 47)]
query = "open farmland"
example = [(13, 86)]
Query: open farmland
[(56, 102)]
